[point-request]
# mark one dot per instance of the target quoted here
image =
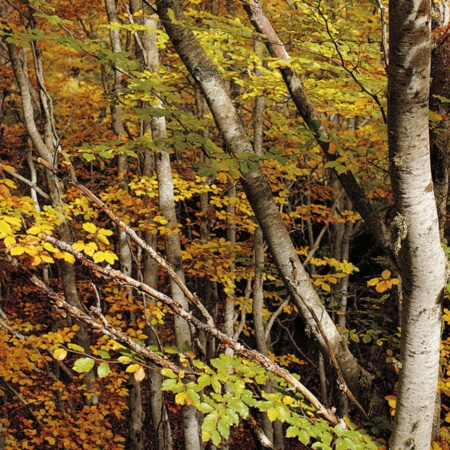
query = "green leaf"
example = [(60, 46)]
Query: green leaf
[(83, 365), (169, 384), (303, 437), (169, 373), (103, 370)]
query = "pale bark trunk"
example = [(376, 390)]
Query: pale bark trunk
[(148, 53), (135, 437), (416, 235), (46, 147), (173, 254), (260, 196)]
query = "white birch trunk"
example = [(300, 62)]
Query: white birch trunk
[(416, 241)]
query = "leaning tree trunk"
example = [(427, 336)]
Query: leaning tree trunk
[(421, 260), (260, 197)]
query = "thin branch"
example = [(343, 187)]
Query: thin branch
[(103, 327), (139, 241), (176, 308), (322, 231), (384, 45), (342, 384), (26, 181)]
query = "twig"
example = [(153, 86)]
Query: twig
[(139, 241), (342, 383), (176, 308)]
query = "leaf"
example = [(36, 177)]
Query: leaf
[(50, 439), (83, 365), (169, 373), (89, 227), (98, 257), (59, 354), (90, 248), (17, 250), (103, 370), (69, 258), (124, 359), (139, 375), (103, 239), (272, 414), (386, 274), (104, 232), (132, 368), (75, 347), (303, 437)]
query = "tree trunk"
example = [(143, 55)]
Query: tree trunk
[(421, 260), (260, 197)]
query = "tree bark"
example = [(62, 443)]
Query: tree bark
[(260, 196), (416, 235)]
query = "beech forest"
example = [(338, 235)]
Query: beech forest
[(223, 224)]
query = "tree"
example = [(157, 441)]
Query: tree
[(159, 174), (421, 260)]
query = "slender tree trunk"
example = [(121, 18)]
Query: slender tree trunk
[(261, 199), (416, 234), (147, 52), (46, 145)]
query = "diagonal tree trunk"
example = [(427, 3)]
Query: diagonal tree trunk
[(260, 195), (420, 257)]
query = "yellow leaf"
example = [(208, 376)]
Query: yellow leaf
[(103, 239), (58, 254), (386, 274), (98, 257), (395, 281), (49, 247), (272, 414), (78, 246), (180, 398), (110, 257), (50, 439), (37, 260), (89, 227), (59, 354), (325, 287), (373, 282), (105, 232), (90, 248), (139, 375), (69, 258), (47, 258), (132, 368), (9, 240), (383, 286), (392, 400), (163, 221), (34, 230), (17, 250)]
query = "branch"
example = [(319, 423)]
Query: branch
[(342, 384), (26, 181), (311, 117), (139, 241), (176, 308), (103, 327)]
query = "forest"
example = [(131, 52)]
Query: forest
[(223, 224)]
